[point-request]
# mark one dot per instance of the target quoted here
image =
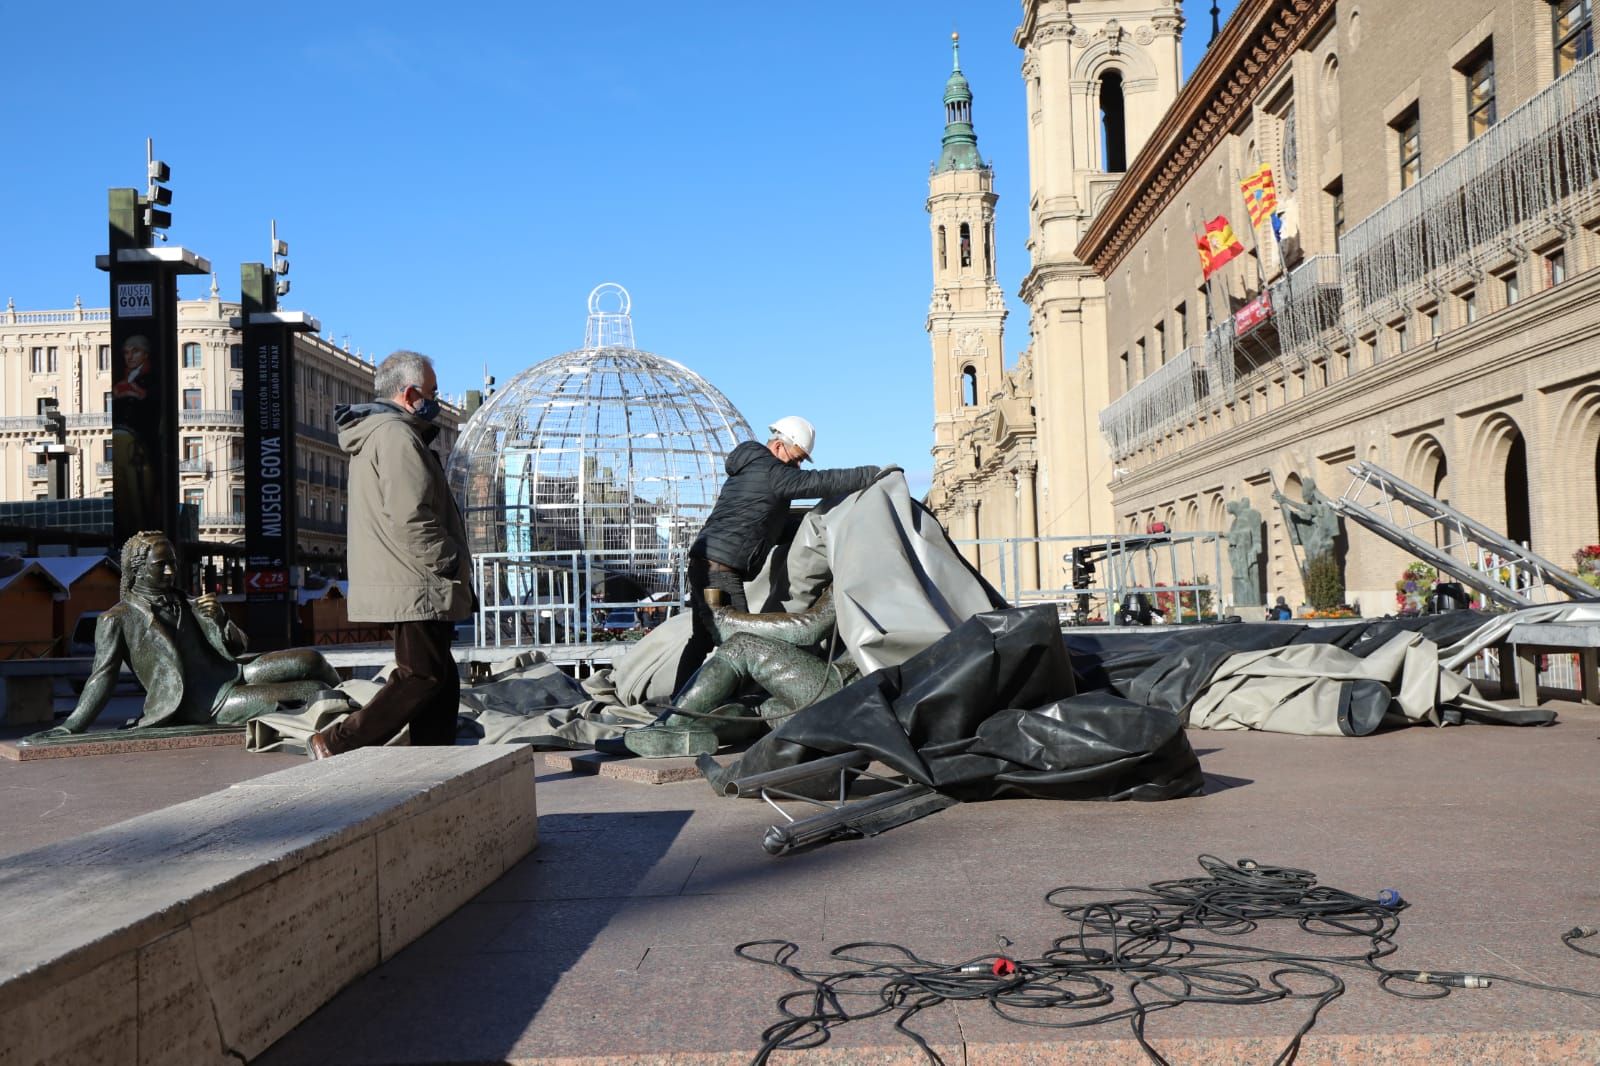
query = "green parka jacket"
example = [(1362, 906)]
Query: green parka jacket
[(407, 546)]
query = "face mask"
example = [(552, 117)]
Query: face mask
[(428, 410)]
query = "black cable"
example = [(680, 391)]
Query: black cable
[(1168, 942)]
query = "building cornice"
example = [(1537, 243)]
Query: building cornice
[(1255, 44)]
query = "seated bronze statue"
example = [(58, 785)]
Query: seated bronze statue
[(186, 654), (780, 653)]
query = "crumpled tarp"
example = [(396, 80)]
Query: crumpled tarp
[(525, 700), (898, 586), (1310, 680), (988, 711)]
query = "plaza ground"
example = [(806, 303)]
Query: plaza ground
[(613, 941)]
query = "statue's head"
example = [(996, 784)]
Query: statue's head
[(148, 563), (1232, 507), (1308, 489)]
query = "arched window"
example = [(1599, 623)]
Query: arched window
[(944, 258), (966, 245), (191, 356), (969, 387), (1113, 135)]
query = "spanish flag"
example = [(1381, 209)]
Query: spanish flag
[(1260, 195), (1218, 246)]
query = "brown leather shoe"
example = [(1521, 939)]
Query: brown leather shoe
[(317, 747)]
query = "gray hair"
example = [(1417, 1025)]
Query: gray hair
[(398, 370)]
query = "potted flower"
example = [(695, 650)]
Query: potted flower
[(1411, 591), (1588, 560)]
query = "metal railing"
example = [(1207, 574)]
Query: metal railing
[(103, 469), (210, 415), (1164, 568), (222, 519), (528, 599), (194, 466), (44, 318), (37, 471)]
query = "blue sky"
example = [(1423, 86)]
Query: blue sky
[(456, 180)]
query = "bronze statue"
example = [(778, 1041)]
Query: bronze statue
[(774, 651), (1244, 552), (1314, 524), (185, 653)]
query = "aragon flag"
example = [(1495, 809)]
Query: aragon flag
[(1260, 195), (1221, 243), (1205, 255)]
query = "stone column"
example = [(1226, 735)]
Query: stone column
[(1027, 527)]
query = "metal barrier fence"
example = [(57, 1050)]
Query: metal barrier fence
[(529, 599), (1109, 572)]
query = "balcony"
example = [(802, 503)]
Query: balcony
[(306, 429), (21, 424), (210, 416), (103, 469), (36, 471), (224, 521), (235, 466), (195, 466), (1517, 180), (89, 420)]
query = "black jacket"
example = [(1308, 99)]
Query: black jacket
[(754, 500)]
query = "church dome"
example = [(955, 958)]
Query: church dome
[(607, 451)]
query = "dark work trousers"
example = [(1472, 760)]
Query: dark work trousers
[(701, 577), (423, 690)]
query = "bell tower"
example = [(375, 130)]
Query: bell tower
[(1099, 74), (966, 318)]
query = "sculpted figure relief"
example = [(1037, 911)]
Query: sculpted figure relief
[(1244, 552), (185, 653), (1313, 524)]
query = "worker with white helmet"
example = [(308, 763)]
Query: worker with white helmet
[(733, 544)]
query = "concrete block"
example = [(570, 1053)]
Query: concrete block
[(204, 932), (176, 1018), (271, 956), (89, 1020)]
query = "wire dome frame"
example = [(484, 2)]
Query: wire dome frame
[(606, 451)]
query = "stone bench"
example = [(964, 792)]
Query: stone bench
[(27, 687), (1520, 651), (204, 932)]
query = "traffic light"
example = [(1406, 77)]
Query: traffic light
[(1082, 568), (280, 262), (156, 194)]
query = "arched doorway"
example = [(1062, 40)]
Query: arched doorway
[(1519, 517)]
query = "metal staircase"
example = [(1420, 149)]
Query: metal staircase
[(1474, 554)]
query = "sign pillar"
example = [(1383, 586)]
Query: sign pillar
[(271, 506), (144, 357)]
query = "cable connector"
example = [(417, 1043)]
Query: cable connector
[(1389, 899), (1000, 967), (1581, 932), (1452, 980)]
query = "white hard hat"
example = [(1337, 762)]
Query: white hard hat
[(795, 432)]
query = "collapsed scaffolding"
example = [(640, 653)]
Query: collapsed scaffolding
[(1535, 170)]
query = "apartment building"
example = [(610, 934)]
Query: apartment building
[(66, 356)]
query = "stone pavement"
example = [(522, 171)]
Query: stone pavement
[(613, 942)]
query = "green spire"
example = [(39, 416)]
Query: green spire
[(960, 142)]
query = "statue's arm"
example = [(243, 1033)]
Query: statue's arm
[(109, 655)]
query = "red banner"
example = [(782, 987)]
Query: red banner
[(1252, 315)]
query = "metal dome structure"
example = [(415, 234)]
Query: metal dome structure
[(606, 454)]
